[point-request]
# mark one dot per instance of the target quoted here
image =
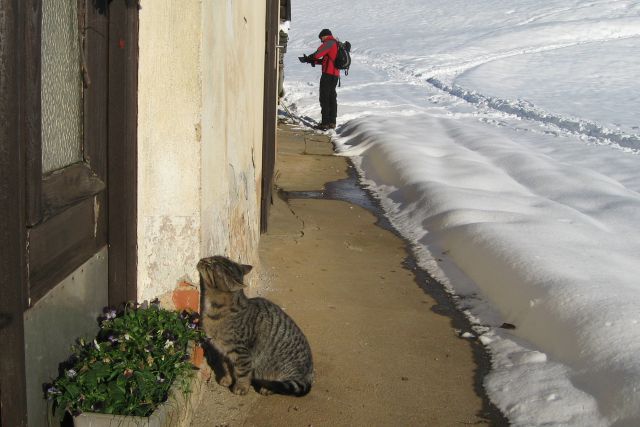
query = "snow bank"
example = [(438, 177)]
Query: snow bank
[(553, 248)]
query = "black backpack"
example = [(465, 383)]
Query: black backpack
[(343, 58)]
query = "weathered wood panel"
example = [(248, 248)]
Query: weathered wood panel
[(68, 186), (64, 242), (96, 33), (269, 110), (31, 88), (13, 405), (123, 150)]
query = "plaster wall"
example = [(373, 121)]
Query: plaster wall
[(233, 46), (200, 136)]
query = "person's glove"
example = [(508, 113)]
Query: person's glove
[(308, 59)]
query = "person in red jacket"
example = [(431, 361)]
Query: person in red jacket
[(326, 55)]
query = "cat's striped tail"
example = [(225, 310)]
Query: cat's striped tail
[(290, 387)]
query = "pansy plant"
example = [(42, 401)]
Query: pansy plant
[(138, 353)]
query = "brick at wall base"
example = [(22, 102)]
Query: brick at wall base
[(187, 297)]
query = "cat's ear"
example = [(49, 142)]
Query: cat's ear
[(232, 284), (246, 268), (226, 280)]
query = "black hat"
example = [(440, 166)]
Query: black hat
[(324, 32)]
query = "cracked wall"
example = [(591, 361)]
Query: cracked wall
[(200, 136)]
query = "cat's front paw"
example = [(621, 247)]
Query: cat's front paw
[(240, 389), (225, 381)]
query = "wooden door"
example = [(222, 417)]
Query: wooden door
[(69, 201), (66, 132), (68, 97)]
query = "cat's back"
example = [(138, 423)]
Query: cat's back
[(269, 316), (278, 335)]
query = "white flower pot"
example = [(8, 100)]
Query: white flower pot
[(177, 411)]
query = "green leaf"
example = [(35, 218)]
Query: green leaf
[(101, 367), (73, 390), (116, 393)]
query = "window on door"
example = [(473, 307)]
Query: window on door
[(67, 139)]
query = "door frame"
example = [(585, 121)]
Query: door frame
[(122, 184), (269, 109), (13, 406)]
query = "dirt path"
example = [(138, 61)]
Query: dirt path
[(382, 354)]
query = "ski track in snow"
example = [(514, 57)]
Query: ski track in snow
[(525, 110), (593, 132)]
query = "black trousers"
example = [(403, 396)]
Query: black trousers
[(328, 98)]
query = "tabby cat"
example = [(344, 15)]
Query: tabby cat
[(258, 343)]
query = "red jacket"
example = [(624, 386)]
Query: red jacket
[(326, 54)]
